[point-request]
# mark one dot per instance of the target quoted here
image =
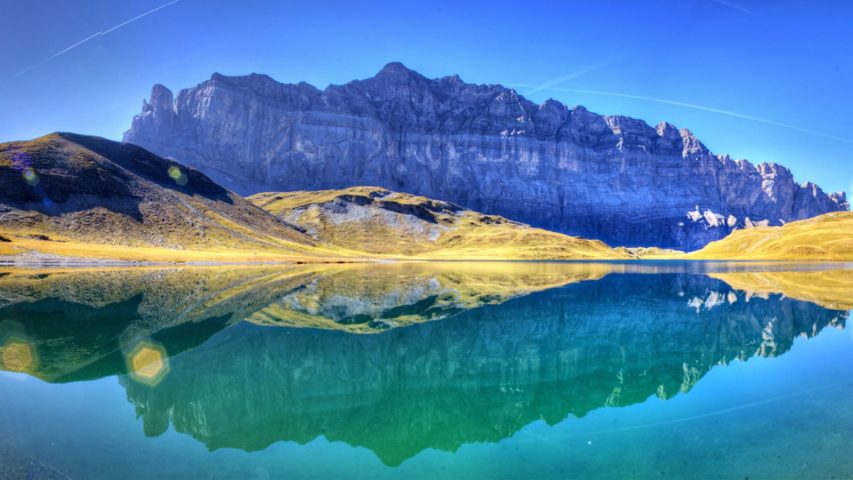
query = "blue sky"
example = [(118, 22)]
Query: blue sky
[(773, 80)]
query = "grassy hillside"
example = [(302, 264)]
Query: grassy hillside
[(75, 195), (386, 223), (830, 289), (825, 237)]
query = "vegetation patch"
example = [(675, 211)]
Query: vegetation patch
[(380, 222), (826, 237)]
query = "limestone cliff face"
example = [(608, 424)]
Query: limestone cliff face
[(485, 147)]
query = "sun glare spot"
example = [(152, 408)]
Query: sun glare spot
[(148, 363), (31, 177), (177, 175), (17, 355)]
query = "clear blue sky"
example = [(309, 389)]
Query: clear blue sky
[(788, 63)]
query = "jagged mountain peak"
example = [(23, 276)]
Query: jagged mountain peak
[(397, 69), (486, 147)]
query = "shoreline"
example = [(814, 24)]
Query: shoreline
[(36, 259)]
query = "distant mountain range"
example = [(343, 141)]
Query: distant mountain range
[(75, 199), (484, 147), (80, 196)]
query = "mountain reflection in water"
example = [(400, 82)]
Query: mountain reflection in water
[(404, 357)]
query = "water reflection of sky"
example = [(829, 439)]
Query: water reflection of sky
[(781, 415), (742, 418)]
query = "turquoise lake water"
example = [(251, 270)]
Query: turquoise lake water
[(453, 370)]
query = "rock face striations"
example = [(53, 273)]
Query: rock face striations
[(484, 147)]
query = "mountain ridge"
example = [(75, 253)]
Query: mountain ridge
[(69, 191), (72, 197), (484, 147), (378, 221)]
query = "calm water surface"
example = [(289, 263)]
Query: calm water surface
[(456, 370)]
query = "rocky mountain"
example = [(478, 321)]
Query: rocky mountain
[(71, 196), (379, 221), (484, 147), (65, 188)]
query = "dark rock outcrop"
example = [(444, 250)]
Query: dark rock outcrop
[(485, 147)]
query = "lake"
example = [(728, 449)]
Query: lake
[(454, 370)]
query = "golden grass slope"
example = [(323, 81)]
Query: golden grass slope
[(385, 223), (827, 288), (69, 195), (24, 249), (827, 237), (75, 195)]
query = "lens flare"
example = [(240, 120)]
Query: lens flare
[(177, 175), (17, 355), (31, 177), (148, 363), (24, 165)]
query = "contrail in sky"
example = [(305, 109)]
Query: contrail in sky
[(690, 105), (94, 35), (735, 6), (565, 78)]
